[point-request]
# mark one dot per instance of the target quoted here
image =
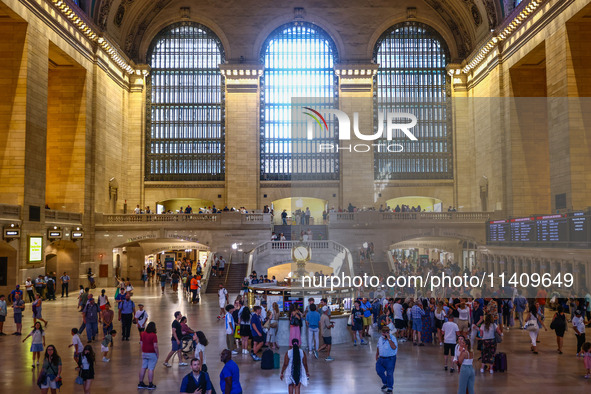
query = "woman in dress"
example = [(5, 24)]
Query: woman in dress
[(295, 323), (427, 329), (559, 326), (37, 343), (36, 306), (52, 370), (294, 365), (489, 343), (273, 326), (86, 365), (245, 328)]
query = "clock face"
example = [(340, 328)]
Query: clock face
[(300, 253)]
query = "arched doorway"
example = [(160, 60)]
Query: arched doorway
[(429, 204), (8, 268), (174, 205), (296, 205), (63, 256)]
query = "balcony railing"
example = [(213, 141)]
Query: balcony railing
[(223, 218), (387, 217), (53, 216), (10, 211)]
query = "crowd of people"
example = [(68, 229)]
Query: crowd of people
[(188, 210)]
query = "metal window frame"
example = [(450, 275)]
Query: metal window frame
[(187, 166), (432, 156), (325, 164)]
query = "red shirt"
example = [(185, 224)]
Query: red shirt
[(148, 341), (541, 296)]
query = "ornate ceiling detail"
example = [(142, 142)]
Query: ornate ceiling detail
[(104, 14), (473, 9), (491, 13), (133, 40), (457, 28)]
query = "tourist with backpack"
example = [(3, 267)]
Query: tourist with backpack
[(197, 379)]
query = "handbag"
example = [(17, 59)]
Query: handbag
[(498, 337), (79, 380), (273, 325), (41, 379), (267, 325), (532, 325)]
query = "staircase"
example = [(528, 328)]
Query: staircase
[(292, 233), (231, 279)]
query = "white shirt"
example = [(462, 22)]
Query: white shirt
[(579, 324), (450, 328), (398, 311), (222, 263), (137, 210), (200, 348), (141, 322), (222, 295), (76, 341), (229, 323), (464, 313)]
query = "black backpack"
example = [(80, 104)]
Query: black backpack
[(267, 360)]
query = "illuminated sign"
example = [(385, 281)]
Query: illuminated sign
[(54, 234), (35, 249), (12, 233), (77, 234)]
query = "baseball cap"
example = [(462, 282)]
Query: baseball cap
[(577, 312)]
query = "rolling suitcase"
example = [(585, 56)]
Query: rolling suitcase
[(267, 361), (276, 361), (500, 362)]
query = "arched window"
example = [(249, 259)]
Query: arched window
[(411, 78), (185, 105), (299, 62)]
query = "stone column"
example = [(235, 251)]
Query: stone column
[(242, 134), (357, 164)]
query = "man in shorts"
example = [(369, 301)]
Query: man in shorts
[(223, 299), (449, 331), (176, 339), (256, 328), (326, 327), (18, 306)]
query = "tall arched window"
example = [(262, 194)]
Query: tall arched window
[(185, 105), (411, 78), (299, 62)]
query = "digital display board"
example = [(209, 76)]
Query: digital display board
[(523, 229), (498, 231), (570, 230), (552, 228), (35, 249)]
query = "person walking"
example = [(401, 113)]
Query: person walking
[(417, 314), (18, 306), (230, 374), (37, 343), (559, 326), (489, 343), (177, 335), (65, 280), (273, 327), (296, 365), (86, 365), (36, 308), (256, 329), (450, 334), (223, 300), (91, 318), (535, 321), (230, 329), (579, 326), (103, 300), (51, 369), (126, 313), (313, 323), (387, 349), (107, 316), (141, 318), (467, 376), (326, 326), (150, 353)]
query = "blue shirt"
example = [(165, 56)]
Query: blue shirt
[(255, 321), (231, 369), (366, 306), (384, 348), (416, 312), (520, 303), (126, 306), (313, 319)]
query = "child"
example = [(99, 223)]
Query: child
[(587, 358), (107, 340), (38, 343), (77, 343)]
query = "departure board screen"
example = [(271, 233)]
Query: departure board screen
[(566, 230)]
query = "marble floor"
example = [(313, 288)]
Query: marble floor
[(418, 369)]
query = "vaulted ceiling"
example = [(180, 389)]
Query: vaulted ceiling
[(354, 24)]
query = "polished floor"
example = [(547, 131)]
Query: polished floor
[(418, 370)]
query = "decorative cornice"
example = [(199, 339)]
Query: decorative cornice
[(355, 70), (295, 184), (184, 185)]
